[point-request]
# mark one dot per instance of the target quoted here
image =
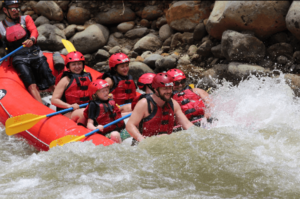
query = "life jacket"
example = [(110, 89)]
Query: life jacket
[(106, 113), (16, 34), (124, 89), (77, 89), (191, 104), (136, 99), (160, 121)]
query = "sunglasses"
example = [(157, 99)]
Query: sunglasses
[(177, 83), (14, 9)]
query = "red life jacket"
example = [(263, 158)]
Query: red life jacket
[(191, 104), (106, 113), (124, 89), (15, 35), (160, 121), (136, 99), (77, 89)]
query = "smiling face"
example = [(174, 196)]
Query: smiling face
[(122, 69), (165, 93), (13, 11), (179, 85), (103, 93), (76, 67)]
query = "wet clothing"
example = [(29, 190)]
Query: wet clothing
[(160, 121), (124, 88), (30, 63), (104, 112), (191, 104)]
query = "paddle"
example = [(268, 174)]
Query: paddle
[(13, 52), (74, 138), (68, 45), (21, 123)]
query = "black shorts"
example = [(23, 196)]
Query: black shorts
[(34, 71)]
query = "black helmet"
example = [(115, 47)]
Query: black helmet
[(10, 2)]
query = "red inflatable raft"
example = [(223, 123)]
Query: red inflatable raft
[(15, 100)]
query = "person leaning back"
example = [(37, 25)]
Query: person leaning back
[(29, 62)]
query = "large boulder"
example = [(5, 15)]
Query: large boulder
[(50, 10), (113, 16), (241, 47), (165, 63), (149, 42), (78, 15), (293, 19), (151, 59), (136, 69), (91, 39), (50, 37), (184, 16), (264, 18), (70, 30), (151, 12)]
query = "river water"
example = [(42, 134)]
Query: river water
[(252, 151)]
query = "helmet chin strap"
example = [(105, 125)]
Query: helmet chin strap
[(9, 16)]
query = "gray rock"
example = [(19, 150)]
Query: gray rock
[(176, 40), (50, 37), (64, 51), (101, 55), (282, 59), (165, 32), (167, 42), (184, 60), (161, 21), (114, 50), (112, 41), (296, 57), (41, 20), (113, 16), (151, 12), (50, 10), (205, 48), (70, 31), (125, 26), (240, 69), (151, 59), (125, 50), (146, 54), (58, 61), (80, 28), (278, 49), (187, 38), (136, 33), (91, 39), (60, 26), (241, 47), (199, 32), (118, 35), (149, 42), (165, 64), (292, 19), (78, 15), (217, 51), (266, 63), (192, 50), (136, 69)]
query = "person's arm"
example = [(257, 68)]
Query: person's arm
[(135, 119), (181, 118), (206, 99), (32, 28), (58, 92), (90, 125)]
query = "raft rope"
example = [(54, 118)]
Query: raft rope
[(25, 130)]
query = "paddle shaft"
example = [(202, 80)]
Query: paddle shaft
[(9, 54), (178, 126)]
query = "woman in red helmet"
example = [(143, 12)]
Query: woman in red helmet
[(190, 100), (155, 114), (72, 89), (103, 110), (121, 84)]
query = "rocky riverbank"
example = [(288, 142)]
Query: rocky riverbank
[(210, 40)]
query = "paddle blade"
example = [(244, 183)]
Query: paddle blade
[(68, 45), (65, 140), (192, 85), (21, 123)]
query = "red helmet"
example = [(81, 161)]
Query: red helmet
[(73, 57), (145, 79), (162, 80), (176, 74), (117, 58), (96, 85)]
